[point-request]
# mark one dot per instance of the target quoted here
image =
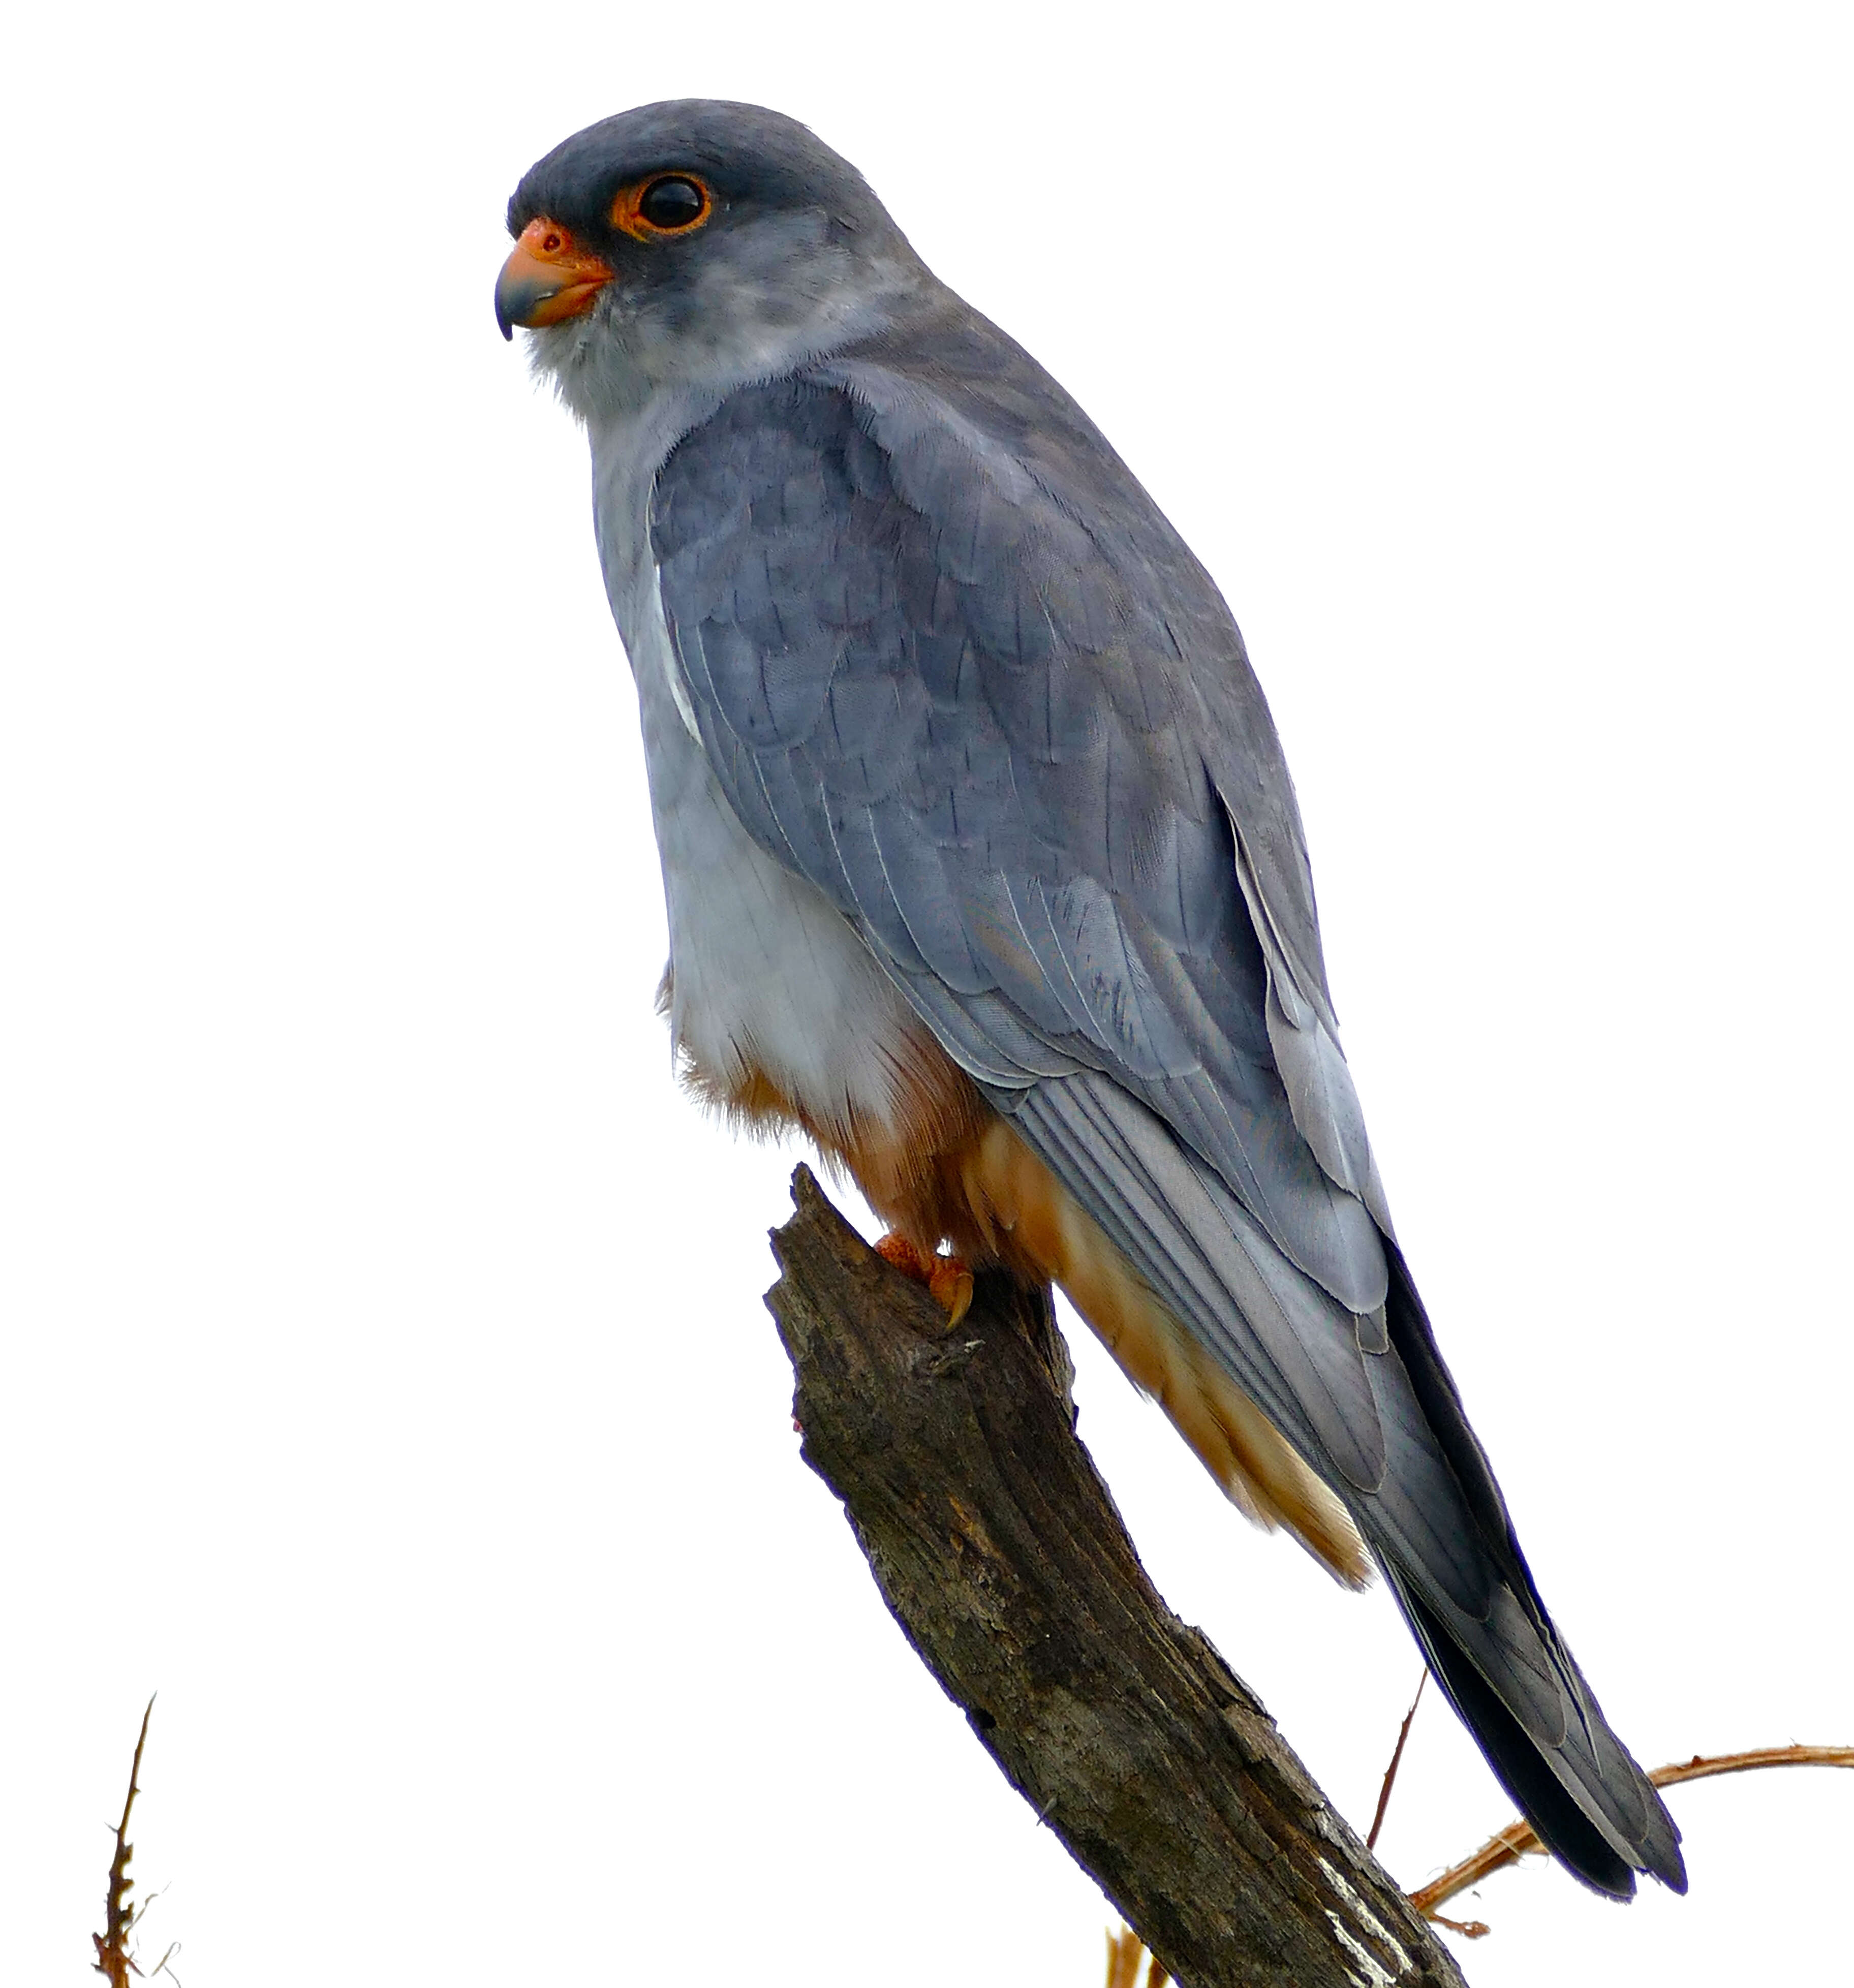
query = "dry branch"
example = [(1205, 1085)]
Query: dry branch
[(1518, 1839), (999, 1551), (1396, 1761), (1124, 1953), (114, 1961)]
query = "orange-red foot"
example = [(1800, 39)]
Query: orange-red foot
[(946, 1278)]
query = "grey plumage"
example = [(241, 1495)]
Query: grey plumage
[(948, 665)]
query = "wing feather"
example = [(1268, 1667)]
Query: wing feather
[(950, 665)]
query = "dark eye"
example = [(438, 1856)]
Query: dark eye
[(672, 202)]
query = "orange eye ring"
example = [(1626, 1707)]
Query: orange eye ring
[(645, 210)]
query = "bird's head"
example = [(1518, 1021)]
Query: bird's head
[(694, 244)]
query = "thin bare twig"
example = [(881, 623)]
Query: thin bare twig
[(1468, 1928), (1125, 1951), (113, 1960), (1396, 1761), (1518, 1839), (1703, 1766)]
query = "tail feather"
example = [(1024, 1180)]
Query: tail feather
[(1507, 1673), (1373, 1413), (1554, 1811)]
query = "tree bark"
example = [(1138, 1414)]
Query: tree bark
[(999, 1551)]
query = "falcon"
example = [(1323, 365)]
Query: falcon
[(983, 869)]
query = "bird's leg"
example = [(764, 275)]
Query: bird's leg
[(948, 1280)]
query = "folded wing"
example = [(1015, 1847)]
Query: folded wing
[(950, 665)]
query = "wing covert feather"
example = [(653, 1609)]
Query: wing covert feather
[(924, 683)]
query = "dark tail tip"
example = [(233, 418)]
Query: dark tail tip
[(1564, 1826)]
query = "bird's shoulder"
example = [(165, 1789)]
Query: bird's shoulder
[(950, 664), (927, 528)]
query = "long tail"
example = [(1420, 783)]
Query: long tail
[(1310, 1415), (1505, 1669)]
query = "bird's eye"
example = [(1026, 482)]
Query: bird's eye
[(670, 205), (551, 243)]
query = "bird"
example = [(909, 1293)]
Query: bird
[(984, 870)]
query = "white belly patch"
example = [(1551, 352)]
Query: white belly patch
[(766, 975)]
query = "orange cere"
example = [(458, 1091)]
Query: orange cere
[(548, 277)]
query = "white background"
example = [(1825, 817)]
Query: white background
[(385, 1376)]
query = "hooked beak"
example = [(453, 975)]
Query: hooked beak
[(546, 278)]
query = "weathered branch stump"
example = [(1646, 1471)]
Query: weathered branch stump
[(999, 1551)]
